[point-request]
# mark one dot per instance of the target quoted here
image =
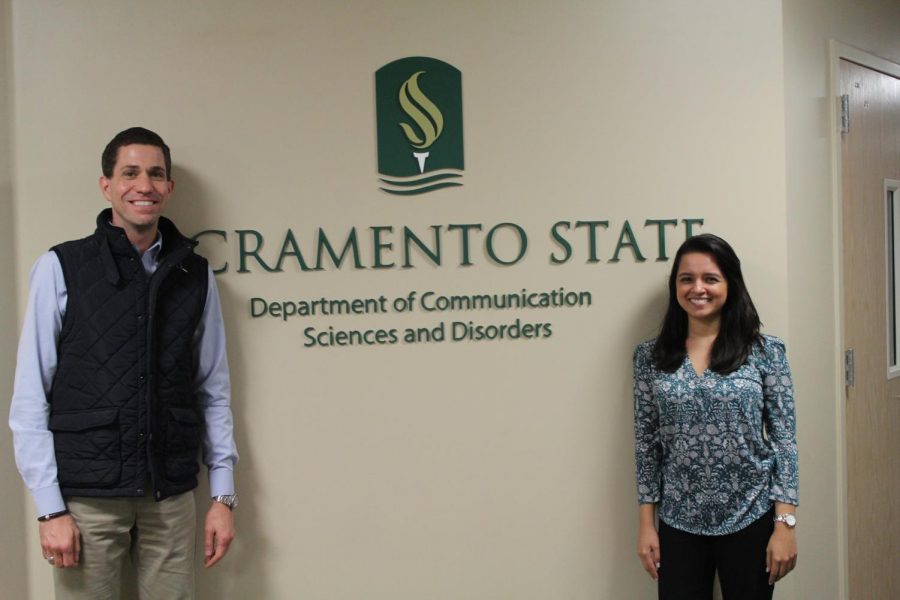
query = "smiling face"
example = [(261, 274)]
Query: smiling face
[(700, 287), (138, 189)]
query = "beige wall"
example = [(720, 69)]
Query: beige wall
[(475, 470), (13, 564), (808, 25)]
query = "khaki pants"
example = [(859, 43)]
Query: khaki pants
[(157, 536)]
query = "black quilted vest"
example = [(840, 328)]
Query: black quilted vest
[(122, 408)]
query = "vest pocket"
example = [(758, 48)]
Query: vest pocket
[(88, 448), (183, 444)]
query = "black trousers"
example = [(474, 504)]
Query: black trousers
[(688, 563)]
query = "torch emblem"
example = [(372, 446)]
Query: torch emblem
[(419, 123), (425, 114)]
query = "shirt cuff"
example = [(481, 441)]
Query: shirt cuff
[(784, 499), (48, 500), (221, 482)]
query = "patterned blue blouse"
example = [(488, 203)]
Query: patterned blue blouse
[(715, 452)]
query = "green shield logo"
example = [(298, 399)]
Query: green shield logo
[(418, 103)]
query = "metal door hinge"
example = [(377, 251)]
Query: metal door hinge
[(845, 113), (848, 368)]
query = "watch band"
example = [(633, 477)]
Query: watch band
[(788, 519), (229, 500)]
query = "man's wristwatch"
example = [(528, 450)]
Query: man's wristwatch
[(231, 501), (788, 519)]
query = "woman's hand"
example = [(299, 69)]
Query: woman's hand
[(781, 553), (648, 540)]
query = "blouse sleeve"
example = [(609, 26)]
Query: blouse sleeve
[(647, 449), (780, 422)]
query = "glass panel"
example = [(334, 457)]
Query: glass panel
[(892, 213)]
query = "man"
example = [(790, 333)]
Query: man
[(121, 377)]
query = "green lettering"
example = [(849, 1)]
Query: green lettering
[(563, 243), (434, 255), (379, 246), (245, 252), (592, 236), (258, 307), (661, 234), (523, 243), (632, 243), (464, 236), (689, 226), (290, 248), (350, 245)]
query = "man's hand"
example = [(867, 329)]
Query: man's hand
[(61, 541), (218, 533)]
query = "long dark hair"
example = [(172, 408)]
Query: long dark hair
[(739, 328)]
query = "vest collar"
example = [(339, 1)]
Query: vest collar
[(114, 241)]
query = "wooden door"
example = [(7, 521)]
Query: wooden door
[(870, 154)]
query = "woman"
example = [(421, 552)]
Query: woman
[(715, 442)]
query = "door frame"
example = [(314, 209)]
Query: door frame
[(838, 51)]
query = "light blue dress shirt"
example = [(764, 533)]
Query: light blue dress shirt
[(36, 367)]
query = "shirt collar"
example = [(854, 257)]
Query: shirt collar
[(154, 249)]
